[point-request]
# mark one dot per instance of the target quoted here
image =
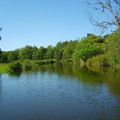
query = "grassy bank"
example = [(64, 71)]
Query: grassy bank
[(4, 67), (94, 64), (25, 65)]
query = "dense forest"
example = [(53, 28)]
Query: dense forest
[(91, 51)]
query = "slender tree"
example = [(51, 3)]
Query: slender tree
[(106, 7)]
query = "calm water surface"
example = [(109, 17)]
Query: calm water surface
[(60, 92)]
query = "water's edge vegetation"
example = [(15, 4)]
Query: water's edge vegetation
[(94, 52)]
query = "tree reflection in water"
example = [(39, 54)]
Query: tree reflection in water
[(109, 78)]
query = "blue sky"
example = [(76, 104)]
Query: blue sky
[(42, 22)]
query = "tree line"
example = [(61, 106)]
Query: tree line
[(63, 50), (91, 50)]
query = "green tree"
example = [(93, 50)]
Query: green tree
[(13, 55), (27, 52), (69, 49), (113, 46), (42, 53), (88, 47), (59, 48), (36, 55), (50, 52), (4, 57)]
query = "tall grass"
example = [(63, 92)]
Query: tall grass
[(4, 67)]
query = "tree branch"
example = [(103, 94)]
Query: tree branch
[(107, 6)]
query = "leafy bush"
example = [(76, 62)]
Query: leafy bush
[(27, 65), (15, 67), (86, 50), (98, 61), (113, 47)]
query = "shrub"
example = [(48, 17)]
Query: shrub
[(86, 50), (15, 67), (27, 65), (98, 62)]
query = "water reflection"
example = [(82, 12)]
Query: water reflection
[(60, 91), (109, 78), (17, 74)]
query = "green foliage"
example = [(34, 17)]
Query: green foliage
[(69, 50), (4, 67), (94, 39), (42, 53), (4, 57), (50, 52), (0, 55), (27, 65), (36, 55), (97, 62), (88, 47), (91, 49), (58, 53), (43, 62), (15, 67), (13, 55), (113, 47), (27, 52)]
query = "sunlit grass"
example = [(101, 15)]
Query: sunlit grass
[(32, 64), (3, 67)]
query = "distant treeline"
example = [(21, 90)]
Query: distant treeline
[(90, 51), (63, 50)]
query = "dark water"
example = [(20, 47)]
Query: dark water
[(60, 92)]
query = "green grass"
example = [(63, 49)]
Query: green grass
[(3, 67), (29, 64)]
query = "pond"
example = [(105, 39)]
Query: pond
[(60, 92)]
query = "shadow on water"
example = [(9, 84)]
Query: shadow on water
[(109, 78), (16, 74)]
